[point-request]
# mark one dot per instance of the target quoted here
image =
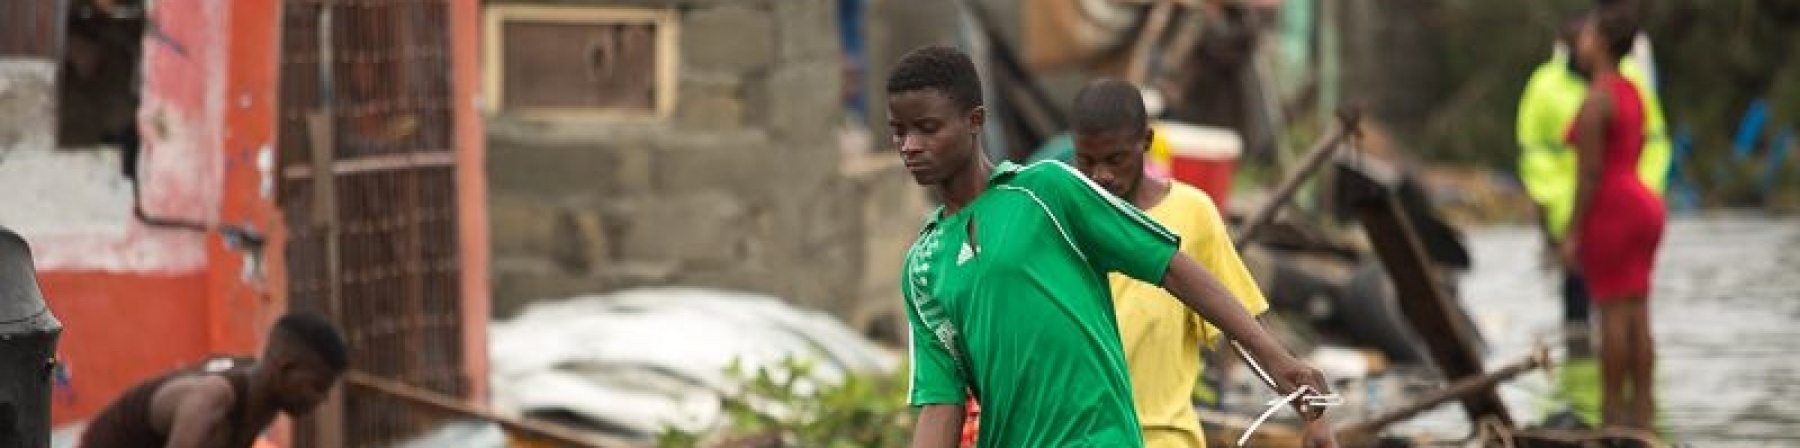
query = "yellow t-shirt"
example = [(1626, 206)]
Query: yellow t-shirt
[(1162, 336)]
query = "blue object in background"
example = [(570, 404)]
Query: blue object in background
[(1750, 129), (1681, 196), (850, 33)]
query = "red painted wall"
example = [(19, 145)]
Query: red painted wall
[(124, 321), (209, 113), (119, 329)]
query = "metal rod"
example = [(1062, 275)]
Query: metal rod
[(376, 163), (443, 402), (1477, 384), (1315, 158)]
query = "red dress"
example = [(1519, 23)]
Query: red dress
[(1624, 221)]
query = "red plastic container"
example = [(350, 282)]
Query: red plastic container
[(1202, 156)]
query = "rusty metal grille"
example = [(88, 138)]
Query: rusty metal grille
[(32, 28), (373, 78)]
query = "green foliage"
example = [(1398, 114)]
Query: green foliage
[(783, 407)]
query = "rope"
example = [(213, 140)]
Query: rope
[(1300, 393)]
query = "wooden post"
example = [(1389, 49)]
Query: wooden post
[(329, 419)]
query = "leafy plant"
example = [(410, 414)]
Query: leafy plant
[(785, 406)]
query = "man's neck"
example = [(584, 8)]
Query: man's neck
[(1149, 192), (259, 404), (957, 192)]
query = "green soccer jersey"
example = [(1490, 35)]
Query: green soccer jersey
[(1008, 300)]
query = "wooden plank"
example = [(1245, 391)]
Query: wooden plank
[(1426, 306)]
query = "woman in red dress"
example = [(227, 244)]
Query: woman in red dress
[(1618, 221)]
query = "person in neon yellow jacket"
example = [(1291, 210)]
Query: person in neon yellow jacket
[(1547, 162), (1547, 168)]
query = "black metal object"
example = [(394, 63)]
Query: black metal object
[(28, 335), (1370, 188)]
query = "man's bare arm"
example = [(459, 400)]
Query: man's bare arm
[(1203, 293), (1197, 288), (939, 426)]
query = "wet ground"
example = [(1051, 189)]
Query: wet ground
[(1726, 315)]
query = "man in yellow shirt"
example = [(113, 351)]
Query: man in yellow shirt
[(1162, 338)]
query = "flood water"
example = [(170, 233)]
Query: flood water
[(1725, 310)]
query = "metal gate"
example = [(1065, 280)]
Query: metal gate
[(368, 191)]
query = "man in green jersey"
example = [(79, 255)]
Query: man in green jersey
[(1006, 288)]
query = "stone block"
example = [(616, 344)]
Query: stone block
[(746, 277), (744, 163), (807, 30), (730, 38), (521, 227), (695, 228), (573, 240), (568, 170), (518, 282), (799, 102), (589, 233), (710, 103)]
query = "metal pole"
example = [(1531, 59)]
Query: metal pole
[(419, 395), (1458, 389)]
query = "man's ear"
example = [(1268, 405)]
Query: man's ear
[(977, 117), (285, 366), (1149, 136)]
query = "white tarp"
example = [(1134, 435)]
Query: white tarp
[(637, 361)]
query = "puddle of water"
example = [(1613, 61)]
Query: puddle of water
[(1724, 307)]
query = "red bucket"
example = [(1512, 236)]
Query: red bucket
[(1202, 156)]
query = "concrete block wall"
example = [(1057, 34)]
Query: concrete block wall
[(745, 186)]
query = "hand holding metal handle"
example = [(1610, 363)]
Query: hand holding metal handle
[(1305, 395)]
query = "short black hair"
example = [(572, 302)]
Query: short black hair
[(318, 335), (940, 67), (1108, 105), (1617, 23)]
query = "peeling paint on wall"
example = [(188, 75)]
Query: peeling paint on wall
[(27, 92), (75, 206)]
